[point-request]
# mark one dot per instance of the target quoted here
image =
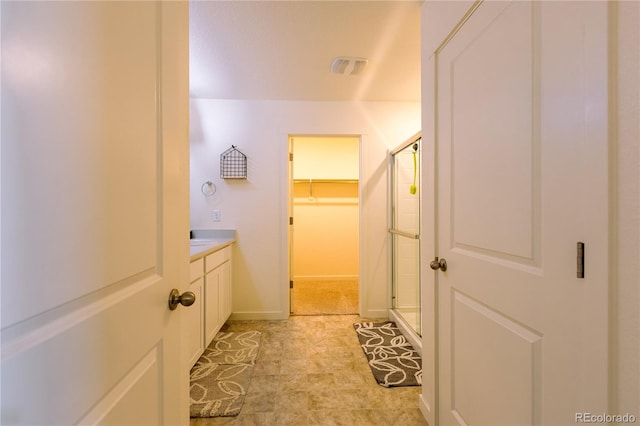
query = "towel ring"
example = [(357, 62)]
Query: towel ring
[(208, 188)]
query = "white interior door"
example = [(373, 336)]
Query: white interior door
[(94, 212), (521, 172), (290, 228)]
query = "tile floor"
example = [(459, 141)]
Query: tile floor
[(311, 371)]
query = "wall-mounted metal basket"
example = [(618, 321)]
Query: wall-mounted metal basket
[(233, 164)]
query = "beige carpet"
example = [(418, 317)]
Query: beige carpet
[(325, 297)]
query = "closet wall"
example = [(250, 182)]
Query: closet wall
[(325, 208)]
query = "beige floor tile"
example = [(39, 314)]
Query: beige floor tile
[(292, 401), (255, 419), (292, 382), (265, 383), (311, 371), (262, 402), (266, 367), (320, 381), (291, 418)]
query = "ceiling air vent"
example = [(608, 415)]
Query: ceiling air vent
[(348, 66)]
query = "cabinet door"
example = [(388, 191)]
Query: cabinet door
[(211, 305), (225, 292), (195, 321)]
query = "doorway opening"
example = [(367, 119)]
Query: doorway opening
[(324, 212)]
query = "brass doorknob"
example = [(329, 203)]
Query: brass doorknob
[(438, 264), (185, 299)]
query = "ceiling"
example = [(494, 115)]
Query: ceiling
[(282, 50)]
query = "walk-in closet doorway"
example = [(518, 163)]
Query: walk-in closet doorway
[(324, 208)]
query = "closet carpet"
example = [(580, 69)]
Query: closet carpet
[(311, 371), (324, 297)]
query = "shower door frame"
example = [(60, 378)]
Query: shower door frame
[(394, 233)]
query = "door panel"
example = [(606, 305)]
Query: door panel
[(511, 373), (95, 134), (492, 159), (516, 327), (80, 151)]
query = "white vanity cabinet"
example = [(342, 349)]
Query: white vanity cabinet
[(211, 283), (217, 291), (225, 291), (195, 312)]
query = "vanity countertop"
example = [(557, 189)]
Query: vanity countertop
[(206, 241)]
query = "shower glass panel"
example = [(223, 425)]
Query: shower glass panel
[(405, 232)]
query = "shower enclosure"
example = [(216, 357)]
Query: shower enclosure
[(404, 234)]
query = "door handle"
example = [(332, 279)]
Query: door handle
[(185, 299), (438, 264)]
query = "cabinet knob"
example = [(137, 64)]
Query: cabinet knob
[(185, 299)]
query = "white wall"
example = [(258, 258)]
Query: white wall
[(335, 157), (326, 232), (257, 207)]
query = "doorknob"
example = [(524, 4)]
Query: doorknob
[(185, 299), (438, 264)]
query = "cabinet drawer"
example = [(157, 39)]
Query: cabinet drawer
[(217, 258), (196, 270)]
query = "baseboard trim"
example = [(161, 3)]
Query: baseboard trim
[(375, 314), (265, 315), (303, 278), (425, 409)]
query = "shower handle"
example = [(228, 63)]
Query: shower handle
[(438, 264)]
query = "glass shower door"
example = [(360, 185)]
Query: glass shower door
[(405, 232)]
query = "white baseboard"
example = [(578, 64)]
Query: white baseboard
[(375, 314), (303, 278), (425, 410), (267, 315)]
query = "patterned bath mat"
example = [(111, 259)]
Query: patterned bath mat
[(392, 359), (221, 377)]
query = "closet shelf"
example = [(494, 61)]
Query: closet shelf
[(325, 181)]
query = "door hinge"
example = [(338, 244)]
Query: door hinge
[(290, 284), (290, 220), (291, 156)]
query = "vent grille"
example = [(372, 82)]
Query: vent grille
[(348, 66)]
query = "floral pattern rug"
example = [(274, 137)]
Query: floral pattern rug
[(392, 359), (221, 377)]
